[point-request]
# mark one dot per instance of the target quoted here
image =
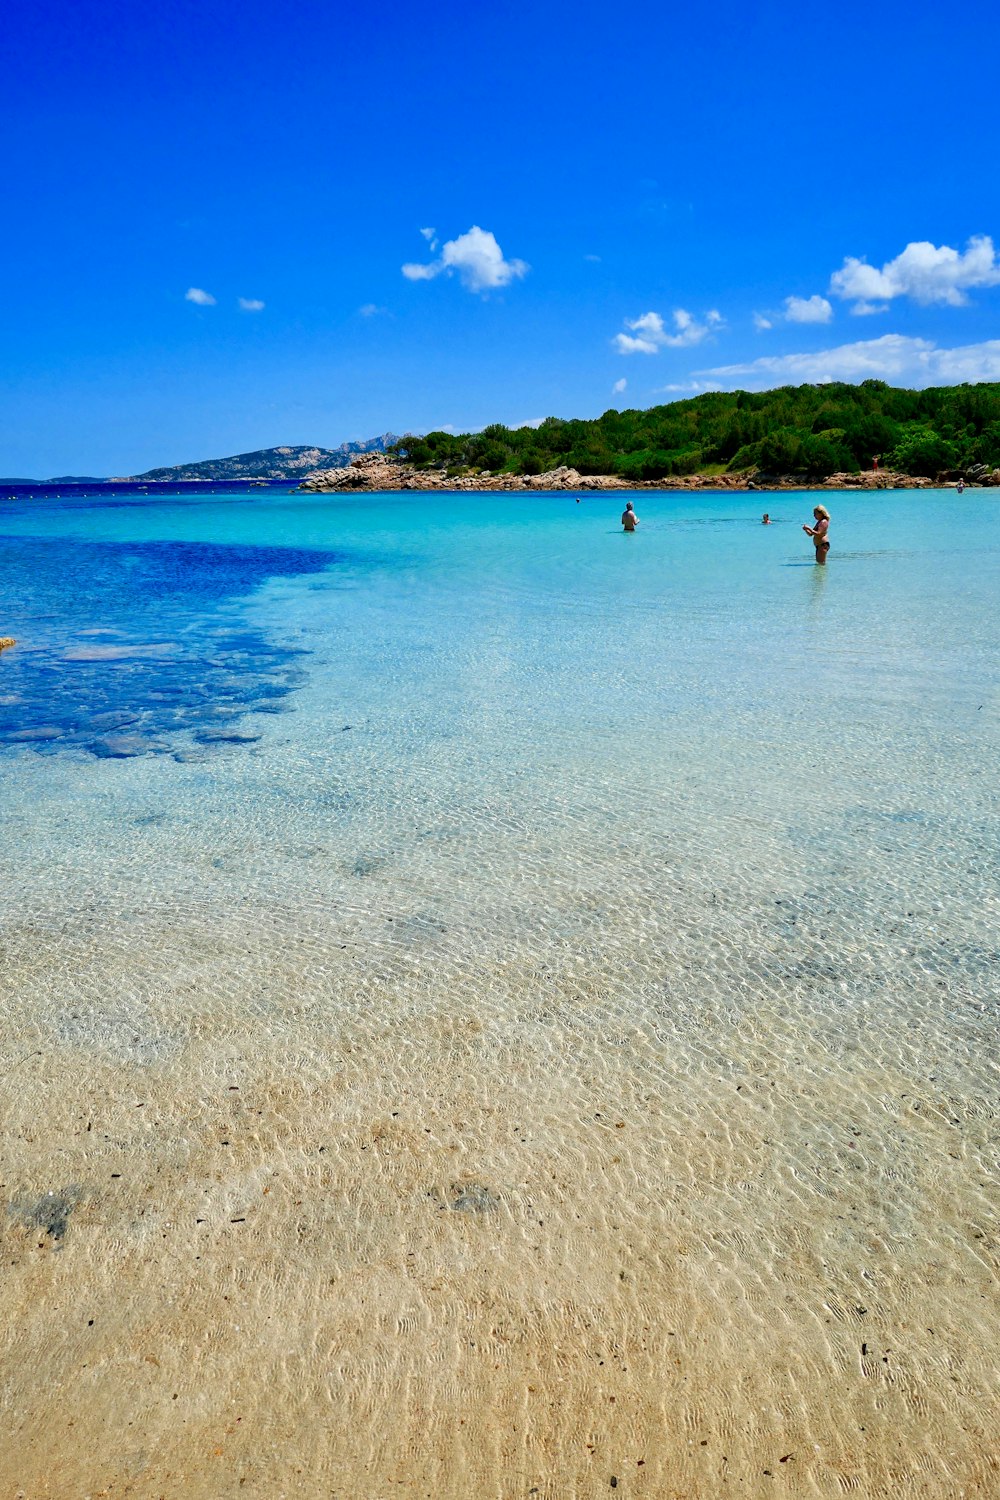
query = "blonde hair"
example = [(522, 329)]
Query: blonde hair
[(821, 510)]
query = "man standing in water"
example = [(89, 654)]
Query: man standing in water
[(820, 532), (629, 518)]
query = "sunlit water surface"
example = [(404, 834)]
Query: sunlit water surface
[(493, 1006)]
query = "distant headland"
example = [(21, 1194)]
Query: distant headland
[(868, 436), (805, 435)]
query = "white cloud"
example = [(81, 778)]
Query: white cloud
[(927, 273), (371, 310), (761, 323), (649, 333), (415, 272), (594, 258), (894, 357), (477, 259), (808, 310), (968, 363), (251, 304), (619, 386), (430, 235), (196, 295)]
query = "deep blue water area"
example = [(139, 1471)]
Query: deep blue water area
[(124, 645), (130, 493)]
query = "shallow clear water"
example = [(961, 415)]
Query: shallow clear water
[(583, 936)]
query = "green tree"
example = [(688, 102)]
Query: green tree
[(923, 451)]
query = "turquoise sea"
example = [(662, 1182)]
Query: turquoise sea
[(452, 950)]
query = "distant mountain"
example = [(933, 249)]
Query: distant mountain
[(59, 479), (270, 463)]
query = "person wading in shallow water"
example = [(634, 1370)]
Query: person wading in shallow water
[(629, 518), (820, 532)]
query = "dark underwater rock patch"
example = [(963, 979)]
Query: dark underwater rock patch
[(124, 746), (49, 1213), (176, 658)]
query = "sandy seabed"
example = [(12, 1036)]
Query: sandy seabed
[(364, 1197)]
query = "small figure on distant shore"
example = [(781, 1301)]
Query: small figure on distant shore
[(629, 518), (875, 460), (819, 532), (960, 487), (765, 519)]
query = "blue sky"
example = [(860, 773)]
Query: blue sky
[(610, 194)]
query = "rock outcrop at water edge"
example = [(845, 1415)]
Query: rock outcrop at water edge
[(378, 471)]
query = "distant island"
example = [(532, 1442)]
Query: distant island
[(267, 463), (263, 463)]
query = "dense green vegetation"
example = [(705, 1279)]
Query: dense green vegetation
[(812, 430)]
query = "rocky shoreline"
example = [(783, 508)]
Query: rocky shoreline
[(374, 471)]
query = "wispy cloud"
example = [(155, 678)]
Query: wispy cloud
[(760, 323), (895, 357), (430, 235), (924, 272), (687, 387), (619, 386), (371, 310), (199, 297), (808, 310), (866, 309), (475, 257), (251, 304), (594, 258), (649, 332)]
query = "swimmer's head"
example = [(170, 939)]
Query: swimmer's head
[(628, 505), (822, 512)]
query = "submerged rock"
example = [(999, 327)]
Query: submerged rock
[(227, 737), (39, 732), (124, 746)]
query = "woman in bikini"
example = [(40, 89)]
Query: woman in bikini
[(820, 532)]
